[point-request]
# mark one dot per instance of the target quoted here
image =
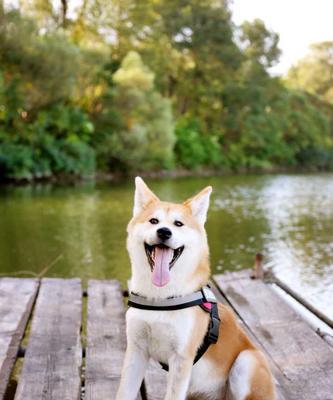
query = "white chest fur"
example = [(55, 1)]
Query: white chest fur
[(161, 334), (206, 380), (166, 333)]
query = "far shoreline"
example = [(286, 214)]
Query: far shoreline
[(118, 176)]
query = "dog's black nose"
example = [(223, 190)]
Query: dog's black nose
[(164, 233)]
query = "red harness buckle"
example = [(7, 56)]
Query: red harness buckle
[(206, 306)]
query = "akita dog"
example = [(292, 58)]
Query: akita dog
[(169, 254)]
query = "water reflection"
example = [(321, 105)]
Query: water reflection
[(299, 211), (288, 217)]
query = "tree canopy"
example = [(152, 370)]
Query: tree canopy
[(314, 73), (139, 85)]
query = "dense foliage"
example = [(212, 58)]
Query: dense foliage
[(314, 72), (122, 85)]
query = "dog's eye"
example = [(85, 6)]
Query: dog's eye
[(178, 223), (153, 221)]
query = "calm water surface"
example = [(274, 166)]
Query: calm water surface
[(287, 217)]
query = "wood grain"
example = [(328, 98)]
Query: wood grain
[(278, 375), (106, 339), (304, 360), (51, 368), (16, 301)]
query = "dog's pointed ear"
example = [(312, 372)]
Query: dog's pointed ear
[(199, 204), (142, 197)]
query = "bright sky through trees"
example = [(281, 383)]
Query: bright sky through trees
[(126, 86), (298, 22)]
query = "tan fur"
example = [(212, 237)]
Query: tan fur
[(201, 274), (149, 210), (232, 339), (262, 384)]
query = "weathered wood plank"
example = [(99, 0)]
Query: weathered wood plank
[(51, 368), (16, 300), (278, 375), (304, 359), (106, 339), (235, 275)]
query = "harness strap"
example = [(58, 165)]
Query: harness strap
[(203, 298), (211, 335), (173, 303), (165, 308)]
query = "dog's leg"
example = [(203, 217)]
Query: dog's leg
[(179, 375), (250, 378), (132, 374)]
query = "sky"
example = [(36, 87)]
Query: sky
[(298, 22)]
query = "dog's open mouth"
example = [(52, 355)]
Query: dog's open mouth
[(161, 259)]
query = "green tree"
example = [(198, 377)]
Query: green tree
[(259, 43), (41, 131), (154, 84), (314, 73), (49, 65), (144, 136), (195, 149)]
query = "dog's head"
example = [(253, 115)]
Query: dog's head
[(167, 241)]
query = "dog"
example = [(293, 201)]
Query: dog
[(168, 249)]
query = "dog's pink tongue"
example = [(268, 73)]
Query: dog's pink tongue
[(161, 272)]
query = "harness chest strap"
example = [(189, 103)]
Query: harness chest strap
[(203, 298)]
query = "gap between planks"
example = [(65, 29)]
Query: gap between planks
[(17, 296), (302, 361), (51, 366), (53, 359), (108, 294), (106, 339)]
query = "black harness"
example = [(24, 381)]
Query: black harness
[(203, 298)]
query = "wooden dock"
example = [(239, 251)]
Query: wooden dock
[(58, 341)]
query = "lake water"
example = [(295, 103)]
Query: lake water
[(81, 229)]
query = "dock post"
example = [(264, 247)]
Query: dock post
[(258, 270)]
